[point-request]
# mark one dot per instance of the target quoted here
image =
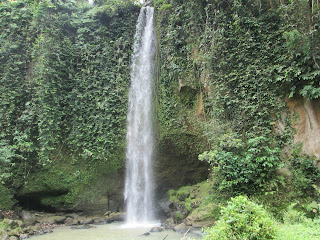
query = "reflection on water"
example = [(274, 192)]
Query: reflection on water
[(114, 231)]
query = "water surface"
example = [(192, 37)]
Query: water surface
[(114, 231)]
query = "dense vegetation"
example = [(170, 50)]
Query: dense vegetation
[(225, 71), (64, 72)]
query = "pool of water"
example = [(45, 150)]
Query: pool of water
[(114, 231)]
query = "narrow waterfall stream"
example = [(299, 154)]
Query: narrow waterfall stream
[(140, 140)]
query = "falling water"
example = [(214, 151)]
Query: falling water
[(140, 141)]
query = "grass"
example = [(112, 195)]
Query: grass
[(308, 230)]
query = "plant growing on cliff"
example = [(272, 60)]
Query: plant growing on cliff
[(243, 167), (64, 72)]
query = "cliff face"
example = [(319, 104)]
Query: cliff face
[(306, 122), (226, 70), (65, 70)]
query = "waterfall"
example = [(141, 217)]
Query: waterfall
[(140, 140)]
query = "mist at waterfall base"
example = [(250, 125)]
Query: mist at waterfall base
[(139, 185)]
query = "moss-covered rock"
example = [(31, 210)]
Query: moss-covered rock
[(197, 205)]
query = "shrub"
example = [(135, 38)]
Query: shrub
[(292, 215), (242, 219), (243, 167), (6, 198)]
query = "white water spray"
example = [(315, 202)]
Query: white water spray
[(140, 140)]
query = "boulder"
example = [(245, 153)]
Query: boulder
[(60, 219), (69, 221), (168, 223), (118, 216), (47, 219), (83, 227), (180, 215), (36, 228), (107, 213), (13, 238), (72, 215), (75, 222), (86, 221), (181, 228), (15, 232), (23, 236), (203, 224), (28, 218), (157, 229), (14, 223), (98, 220), (164, 205), (30, 231), (49, 230)]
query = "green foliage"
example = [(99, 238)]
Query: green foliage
[(243, 168), (245, 58), (7, 155), (305, 173), (297, 43), (307, 230), (64, 75), (292, 216), (310, 92), (200, 201), (6, 198), (242, 219), (3, 228), (313, 208)]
